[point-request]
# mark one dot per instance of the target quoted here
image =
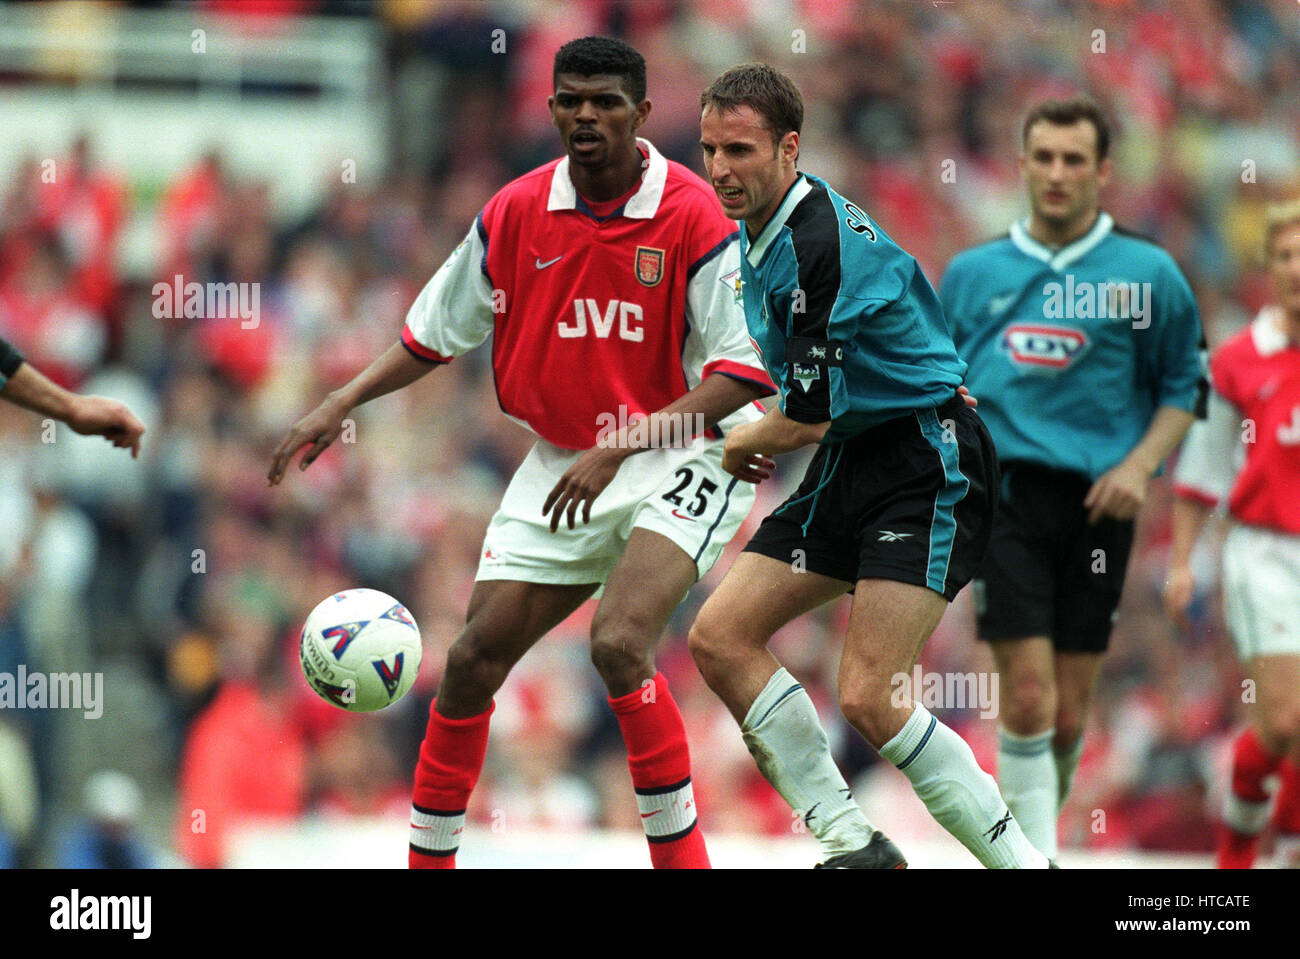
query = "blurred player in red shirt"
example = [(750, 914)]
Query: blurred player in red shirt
[(609, 282), (1248, 452)]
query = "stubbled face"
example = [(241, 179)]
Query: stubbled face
[(1062, 173), (748, 169), (1284, 267), (596, 118)]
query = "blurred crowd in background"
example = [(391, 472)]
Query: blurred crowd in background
[(185, 579)]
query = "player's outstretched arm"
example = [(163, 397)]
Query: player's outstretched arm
[(393, 370), (87, 415), (746, 452), (1121, 491), (716, 398)]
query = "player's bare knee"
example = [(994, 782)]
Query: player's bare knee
[(1027, 706), (710, 646), (622, 650), (471, 666), (622, 664)]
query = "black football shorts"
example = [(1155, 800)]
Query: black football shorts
[(1048, 572), (910, 500)]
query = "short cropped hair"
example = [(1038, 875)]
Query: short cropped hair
[(1066, 113), (1276, 216), (765, 90), (593, 56)]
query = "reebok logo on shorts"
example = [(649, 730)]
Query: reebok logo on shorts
[(887, 536)]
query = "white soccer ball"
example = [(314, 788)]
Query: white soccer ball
[(360, 650)]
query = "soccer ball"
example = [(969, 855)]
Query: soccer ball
[(360, 650)]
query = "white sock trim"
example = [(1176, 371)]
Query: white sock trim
[(435, 833), (667, 813), (903, 749), (1035, 744), (1246, 816), (779, 687)]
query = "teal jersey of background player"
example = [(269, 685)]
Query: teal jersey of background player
[(1072, 351), (849, 328)]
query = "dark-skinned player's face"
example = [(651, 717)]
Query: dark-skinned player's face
[(749, 169), (596, 118)]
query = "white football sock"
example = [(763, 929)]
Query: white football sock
[(787, 741), (1027, 777), (960, 796), (1067, 761)]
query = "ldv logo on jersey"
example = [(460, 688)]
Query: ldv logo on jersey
[(602, 321), (1050, 347)]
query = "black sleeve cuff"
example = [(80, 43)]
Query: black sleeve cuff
[(10, 359), (808, 375)]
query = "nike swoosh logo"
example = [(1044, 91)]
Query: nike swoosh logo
[(999, 304), (689, 519), (541, 266), (647, 815)]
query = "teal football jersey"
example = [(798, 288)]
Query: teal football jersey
[(1072, 351), (848, 326)]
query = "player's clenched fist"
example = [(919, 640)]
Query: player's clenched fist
[(100, 416), (750, 467), (319, 428), (1118, 493)]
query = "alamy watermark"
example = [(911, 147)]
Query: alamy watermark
[(639, 431), (193, 300), (947, 691), (35, 690), (1112, 300), (76, 912)]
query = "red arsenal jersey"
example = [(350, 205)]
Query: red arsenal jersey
[(593, 317), (1254, 426)]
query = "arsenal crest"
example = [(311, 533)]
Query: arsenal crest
[(649, 266)]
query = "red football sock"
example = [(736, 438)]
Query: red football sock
[(1287, 812), (660, 762), (1251, 764), (1235, 850), (1246, 809), (451, 758)]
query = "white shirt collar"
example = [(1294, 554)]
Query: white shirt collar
[(644, 203), (798, 190), (1066, 255)]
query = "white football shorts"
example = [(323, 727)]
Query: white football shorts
[(682, 493), (1261, 591)]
